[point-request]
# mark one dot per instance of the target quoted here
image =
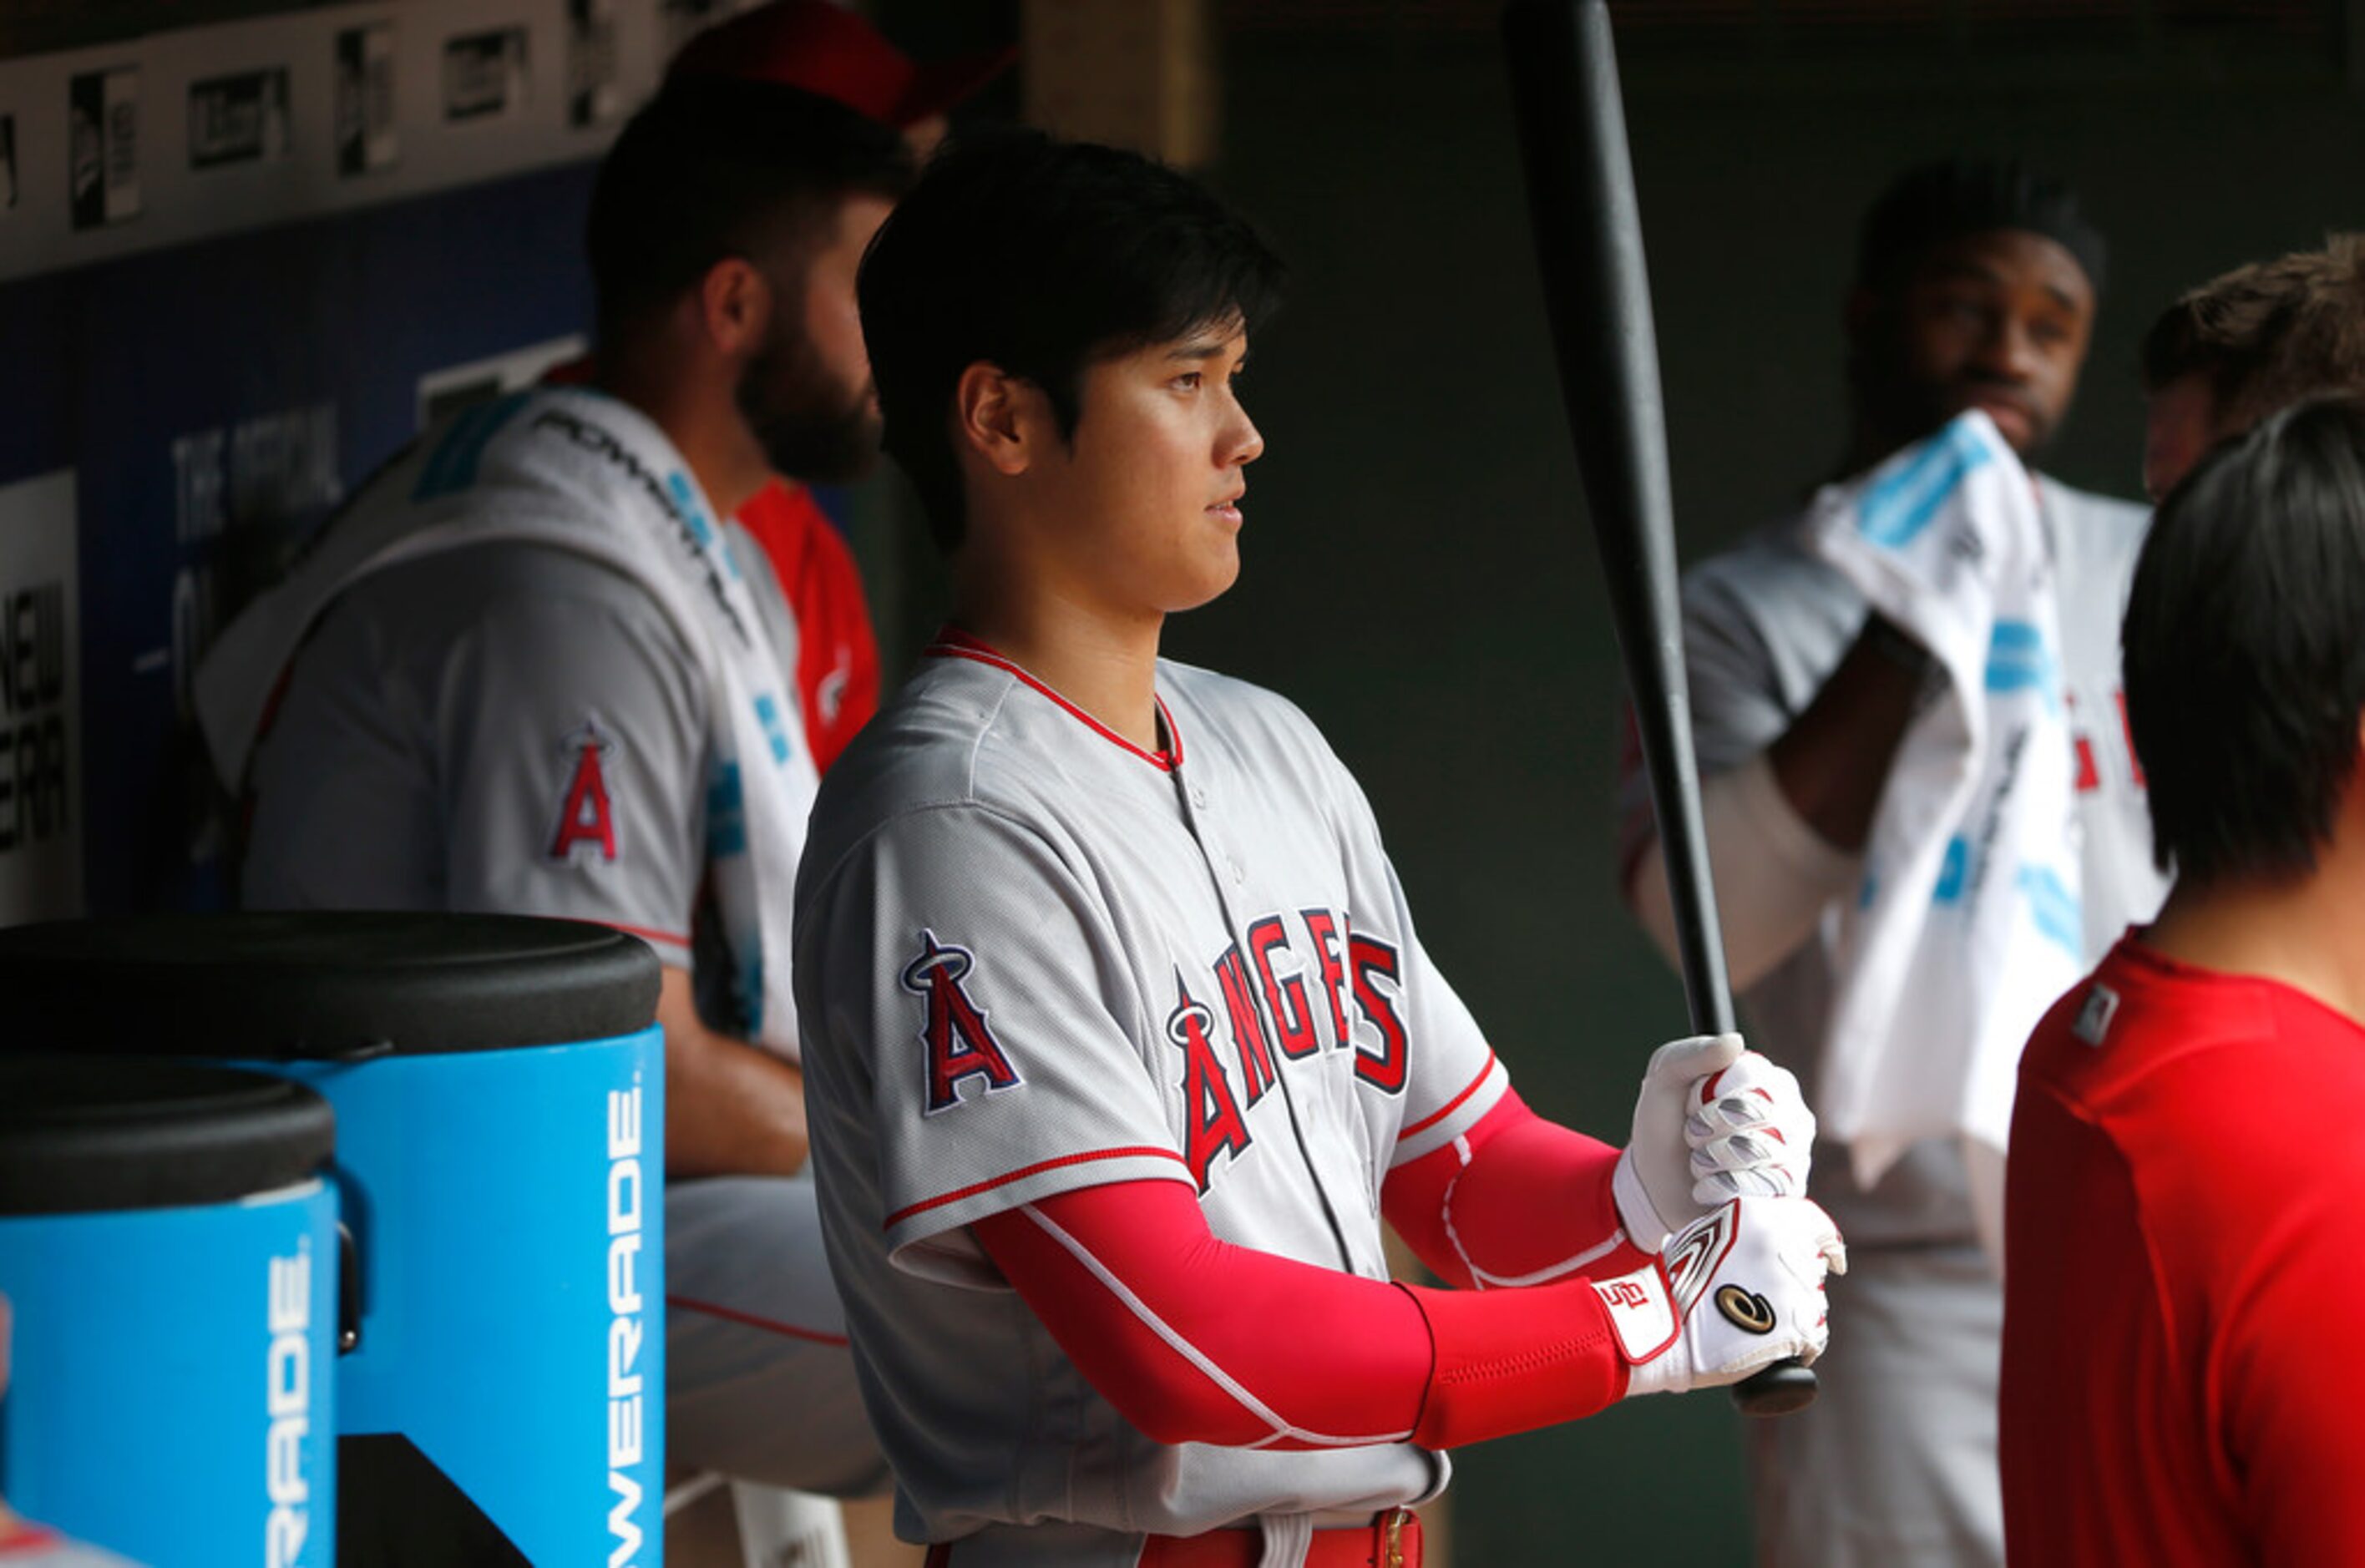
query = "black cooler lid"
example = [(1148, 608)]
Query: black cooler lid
[(81, 1134), (318, 985)]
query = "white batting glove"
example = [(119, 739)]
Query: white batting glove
[(1714, 1121), (1751, 1134), (1734, 1291)]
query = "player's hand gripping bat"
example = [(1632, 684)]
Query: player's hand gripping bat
[(1588, 234)]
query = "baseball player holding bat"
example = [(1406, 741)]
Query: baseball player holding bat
[(1120, 1039)]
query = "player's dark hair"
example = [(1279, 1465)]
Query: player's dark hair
[(1041, 257), (2244, 669), (712, 169), (1932, 203), (2268, 334)]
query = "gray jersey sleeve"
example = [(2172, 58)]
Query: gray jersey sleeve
[(993, 1050), (577, 782), (1764, 626), (504, 729), (1739, 706)]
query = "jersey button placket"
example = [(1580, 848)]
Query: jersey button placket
[(1220, 859), (1226, 856)]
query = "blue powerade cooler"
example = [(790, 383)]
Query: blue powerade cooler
[(169, 1253), (498, 1087)]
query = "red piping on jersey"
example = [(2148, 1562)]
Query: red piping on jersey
[(900, 1216), (1451, 1105), (647, 933), (952, 643), (768, 1325)]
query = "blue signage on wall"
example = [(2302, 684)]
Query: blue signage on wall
[(214, 401)]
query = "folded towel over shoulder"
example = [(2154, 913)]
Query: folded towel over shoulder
[(1966, 927), (577, 471)]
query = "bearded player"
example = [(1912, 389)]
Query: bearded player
[(525, 671), (2181, 1224), (1121, 1040), (803, 574)]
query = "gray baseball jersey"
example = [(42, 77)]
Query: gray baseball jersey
[(1032, 958), (527, 717), (509, 727), (516, 728)]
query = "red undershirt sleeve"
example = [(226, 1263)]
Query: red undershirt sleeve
[(1194, 1339), (1517, 1201)]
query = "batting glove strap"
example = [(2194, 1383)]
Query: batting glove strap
[(1736, 1291), (1641, 1314)]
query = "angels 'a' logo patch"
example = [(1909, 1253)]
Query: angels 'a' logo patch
[(960, 1045), (586, 816)]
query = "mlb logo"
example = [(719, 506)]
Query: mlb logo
[(2094, 1014)]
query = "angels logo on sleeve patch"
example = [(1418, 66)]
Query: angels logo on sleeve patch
[(960, 1046), (587, 818)]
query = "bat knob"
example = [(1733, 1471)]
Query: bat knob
[(1776, 1389)]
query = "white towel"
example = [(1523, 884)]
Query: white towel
[(1966, 927), (577, 471)]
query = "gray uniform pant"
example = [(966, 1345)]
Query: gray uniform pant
[(759, 1383), (1894, 1465)]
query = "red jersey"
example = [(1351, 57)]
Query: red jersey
[(2183, 1239), (837, 654)]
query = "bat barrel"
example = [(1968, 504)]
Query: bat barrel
[(1588, 235)]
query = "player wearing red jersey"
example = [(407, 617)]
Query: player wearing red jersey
[(2176, 1237)]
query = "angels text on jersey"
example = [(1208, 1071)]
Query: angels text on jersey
[(1250, 1012)]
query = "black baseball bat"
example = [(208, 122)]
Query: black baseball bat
[(1588, 232)]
